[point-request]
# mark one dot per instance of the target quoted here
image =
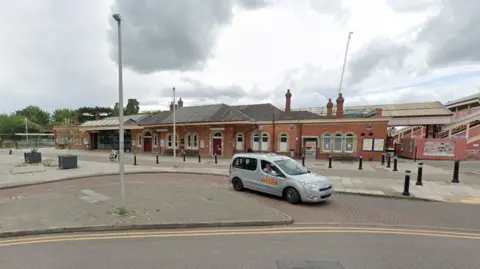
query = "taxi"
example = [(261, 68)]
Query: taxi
[(278, 175)]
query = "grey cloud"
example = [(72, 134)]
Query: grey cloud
[(453, 34), (379, 54), (331, 7), (53, 55), (194, 89), (170, 35), (413, 6), (253, 4)]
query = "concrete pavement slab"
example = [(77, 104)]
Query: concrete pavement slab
[(150, 204)]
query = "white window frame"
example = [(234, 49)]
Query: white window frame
[(341, 142), (329, 142), (155, 140), (353, 136), (256, 145), (237, 143), (265, 146), (280, 143), (170, 141), (139, 140), (188, 141), (194, 140)]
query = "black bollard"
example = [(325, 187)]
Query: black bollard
[(216, 158), (419, 174), (406, 186), (10, 152), (184, 156), (303, 160), (456, 170), (388, 161), (157, 158), (199, 158), (383, 158), (360, 161), (395, 161), (134, 159), (329, 161)]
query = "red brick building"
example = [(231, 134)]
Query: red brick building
[(223, 130)]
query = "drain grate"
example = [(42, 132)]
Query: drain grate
[(308, 265)]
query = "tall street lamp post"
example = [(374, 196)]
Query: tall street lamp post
[(120, 113)]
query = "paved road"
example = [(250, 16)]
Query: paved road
[(266, 248), (143, 160), (468, 167), (341, 209)]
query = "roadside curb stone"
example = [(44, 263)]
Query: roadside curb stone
[(158, 226)]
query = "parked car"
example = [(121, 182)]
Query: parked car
[(278, 175)]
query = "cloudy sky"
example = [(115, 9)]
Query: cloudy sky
[(62, 53)]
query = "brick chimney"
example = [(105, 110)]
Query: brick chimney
[(97, 115), (171, 106), (379, 112), (180, 102), (340, 102), (330, 108), (288, 101), (75, 120)]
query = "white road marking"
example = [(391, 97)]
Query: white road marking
[(93, 197)]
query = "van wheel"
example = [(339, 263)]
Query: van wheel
[(237, 184), (291, 195)]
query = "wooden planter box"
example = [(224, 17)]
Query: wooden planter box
[(67, 162), (33, 157)]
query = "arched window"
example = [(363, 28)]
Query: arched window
[(155, 140), (327, 143), (139, 140), (147, 134), (170, 141), (188, 141), (217, 135), (283, 145), (349, 143), (265, 145), (256, 142), (194, 141), (337, 143), (239, 143), (191, 141)]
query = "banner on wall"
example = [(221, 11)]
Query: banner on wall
[(434, 148)]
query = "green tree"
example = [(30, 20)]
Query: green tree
[(35, 114), (12, 124), (63, 116), (133, 107), (88, 113)]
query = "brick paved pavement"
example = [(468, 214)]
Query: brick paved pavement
[(341, 209), (350, 181), (92, 202)]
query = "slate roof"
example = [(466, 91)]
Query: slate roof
[(464, 99), (110, 121)]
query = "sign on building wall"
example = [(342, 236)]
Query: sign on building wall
[(378, 144), (162, 143), (202, 144), (371, 144), (434, 148), (367, 144)]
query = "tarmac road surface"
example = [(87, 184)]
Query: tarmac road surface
[(313, 247)]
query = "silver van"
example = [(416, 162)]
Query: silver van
[(278, 175)]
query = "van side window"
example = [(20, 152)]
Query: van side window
[(250, 164), (238, 162)]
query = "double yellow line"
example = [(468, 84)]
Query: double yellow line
[(232, 232)]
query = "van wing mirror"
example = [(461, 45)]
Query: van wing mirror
[(308, 171)]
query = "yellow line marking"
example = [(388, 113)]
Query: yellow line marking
[(265, 231), (471, 201)]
